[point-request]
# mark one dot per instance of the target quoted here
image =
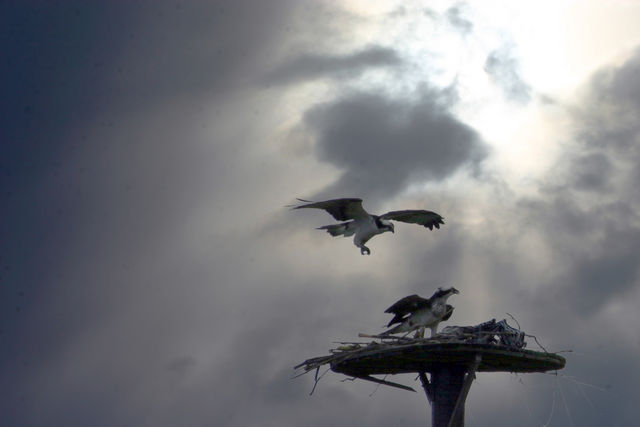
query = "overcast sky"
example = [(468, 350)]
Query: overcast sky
[(150, 274)]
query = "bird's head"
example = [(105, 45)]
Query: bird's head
[(445, 293), (388, 225)]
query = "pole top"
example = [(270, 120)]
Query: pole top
[(426, 357)]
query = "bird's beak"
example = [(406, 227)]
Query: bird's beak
[(455, 291)]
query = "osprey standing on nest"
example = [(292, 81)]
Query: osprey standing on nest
[(362, 225), (414, 312)]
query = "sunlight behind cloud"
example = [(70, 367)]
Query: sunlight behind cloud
[(550, 46), (539, 38)]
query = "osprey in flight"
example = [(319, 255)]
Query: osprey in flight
[(362, 225), (414, 312)]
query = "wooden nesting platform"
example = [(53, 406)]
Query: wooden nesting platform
[(451, 358), (427, 357)]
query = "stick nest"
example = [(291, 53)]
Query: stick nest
[(488, 334)]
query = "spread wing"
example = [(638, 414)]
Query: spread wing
[(340, 209), (425, 218), (406, 306)]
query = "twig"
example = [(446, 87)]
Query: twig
[(377, 386), (553, 405), (537, 342), (566, 407), (386, 337), (317, 379), (584, 394), (426, 385), (583, 383), (514, 319), (389, 383)]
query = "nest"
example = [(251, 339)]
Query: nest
[(500, 345)]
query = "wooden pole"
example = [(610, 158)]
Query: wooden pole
[(471, 375), (447, 382), (447, 392)]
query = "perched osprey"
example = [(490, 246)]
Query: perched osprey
[(414, 312), (362, 225)]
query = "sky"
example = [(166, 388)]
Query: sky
[(151, 275)]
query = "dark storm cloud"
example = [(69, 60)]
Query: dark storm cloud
[(134, 292), (109, 315), (592, 172), (312, 66), (618, 88), (382, 144), (595, 247), (503, 67), (103, 158), (608, 270), (563, 285), (609, 131), (563, 263), (591, 210), (78, 71), (456, 17)]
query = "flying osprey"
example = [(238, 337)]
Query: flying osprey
[(362, 225), (414, 312)]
